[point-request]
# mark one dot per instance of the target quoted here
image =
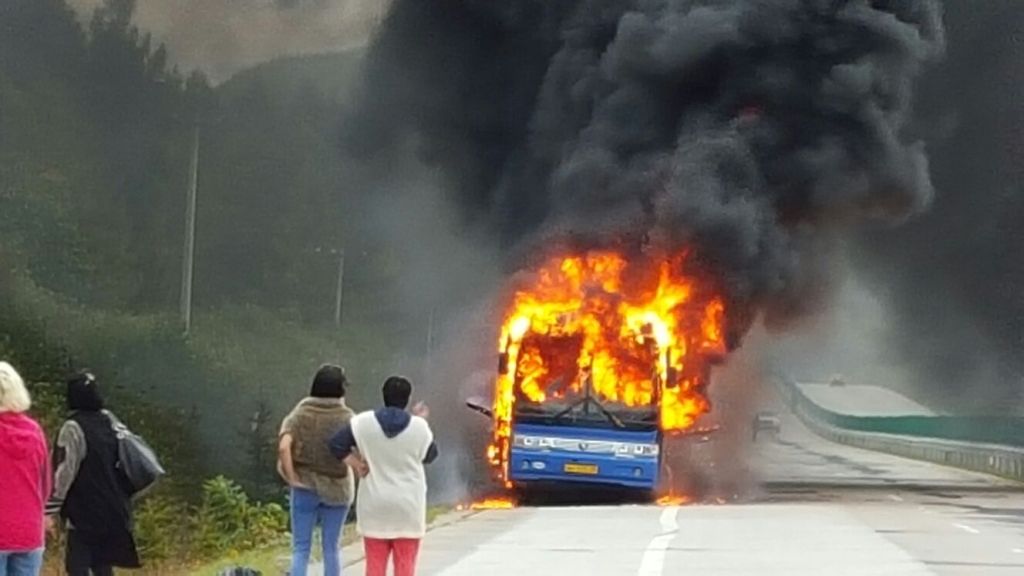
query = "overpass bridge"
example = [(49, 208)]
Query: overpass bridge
[(851, 485)]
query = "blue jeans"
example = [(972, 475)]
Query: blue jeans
[(21, 563), (307, 508)]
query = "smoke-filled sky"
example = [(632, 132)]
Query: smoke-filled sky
[(224, 36), (953, 277), (752, 128), (747, 130)]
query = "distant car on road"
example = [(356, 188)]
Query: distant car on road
[(766, 421)]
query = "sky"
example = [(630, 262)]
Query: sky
[(224, 36)]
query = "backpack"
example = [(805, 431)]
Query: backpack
[(135, 458), (239, 571)]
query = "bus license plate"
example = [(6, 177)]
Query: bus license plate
[(581, 468)]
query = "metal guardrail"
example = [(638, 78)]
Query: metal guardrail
[(1003, 430), (915, 437)]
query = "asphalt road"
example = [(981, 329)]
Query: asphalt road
[(812, 507), (835, 533)]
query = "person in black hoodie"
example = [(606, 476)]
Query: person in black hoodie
[(90, 493)]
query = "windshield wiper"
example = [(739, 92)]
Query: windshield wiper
[(589, 400)]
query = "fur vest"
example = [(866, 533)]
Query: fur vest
[(312, 424)]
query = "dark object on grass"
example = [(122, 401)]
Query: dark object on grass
[(239, 571)]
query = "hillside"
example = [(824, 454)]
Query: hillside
[(95, 143), (333, 75)]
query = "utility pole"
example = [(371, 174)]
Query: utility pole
[(190, 237), (340, 289), (430, 341), (430, 331)]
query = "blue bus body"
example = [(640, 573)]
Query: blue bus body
[(581, 454)]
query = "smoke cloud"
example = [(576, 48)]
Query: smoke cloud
[(953, 277), (223, 36), (746, 131), (849, 338)]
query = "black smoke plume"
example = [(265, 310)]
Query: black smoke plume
[(953, 277), (743, 130)]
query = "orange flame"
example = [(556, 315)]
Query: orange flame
[(673, 500), (491, 504), (636, 332)]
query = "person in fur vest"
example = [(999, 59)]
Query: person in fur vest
[(322, 487)]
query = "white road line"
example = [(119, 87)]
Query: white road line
[(895, 498), (668, 519), (1018, 551), (653, 563), (967, 528)]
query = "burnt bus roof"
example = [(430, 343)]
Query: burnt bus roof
[(555, 406)]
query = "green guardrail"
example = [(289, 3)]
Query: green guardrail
[(1004, 430)]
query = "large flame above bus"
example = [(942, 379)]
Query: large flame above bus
[(637, 332)]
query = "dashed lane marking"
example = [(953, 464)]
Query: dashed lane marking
[(967, 528), (653, 563)]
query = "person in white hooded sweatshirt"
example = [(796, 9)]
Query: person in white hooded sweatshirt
[(388, 449)]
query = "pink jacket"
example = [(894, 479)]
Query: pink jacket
[(24, 483)]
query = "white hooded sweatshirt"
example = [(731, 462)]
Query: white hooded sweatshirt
[(391, 500)]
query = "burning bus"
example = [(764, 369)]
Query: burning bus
[(600, 359)]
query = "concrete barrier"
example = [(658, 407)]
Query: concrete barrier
[(1001, 430), (997, 459)]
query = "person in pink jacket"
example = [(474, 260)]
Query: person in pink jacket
[(25, 482)]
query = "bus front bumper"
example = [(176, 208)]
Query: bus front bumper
[(553, 466)]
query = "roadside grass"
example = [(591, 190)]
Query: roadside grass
[(274, 561), (269, 561), (433, 512)]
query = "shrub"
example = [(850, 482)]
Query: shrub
[(162, 529), (227, 522)]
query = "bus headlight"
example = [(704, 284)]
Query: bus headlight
[(520, 441), (626, 449)]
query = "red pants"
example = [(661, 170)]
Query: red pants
[(378, 551)]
